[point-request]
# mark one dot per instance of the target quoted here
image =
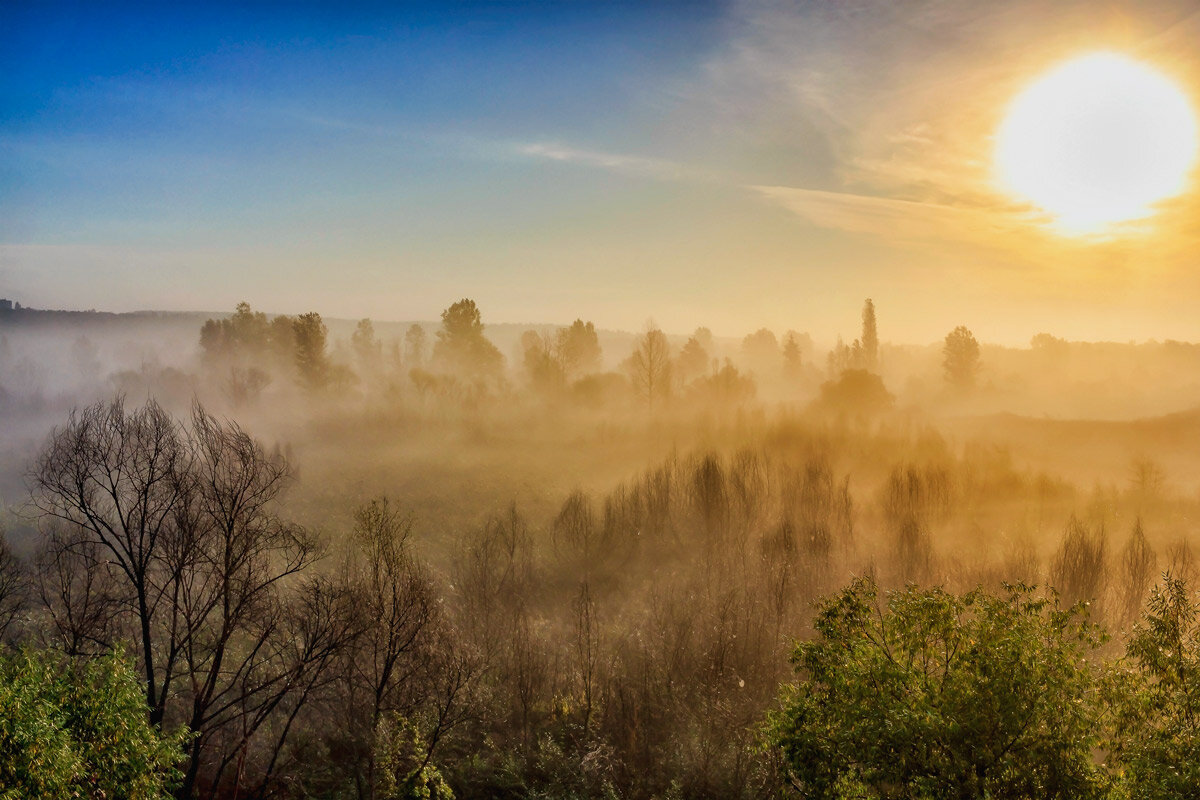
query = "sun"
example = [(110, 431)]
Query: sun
[(1098, 140)]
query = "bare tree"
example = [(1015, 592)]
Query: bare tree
[(118, 479), (1136, 572), (650, 367), (166, 537), (79, 588), (229, 568), (13, 588), (587, 650), (394, 601)]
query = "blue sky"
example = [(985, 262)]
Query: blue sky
[(726, 164)]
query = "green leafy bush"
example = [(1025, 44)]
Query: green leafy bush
[(1156, 741), (935, 695), (79, 731)]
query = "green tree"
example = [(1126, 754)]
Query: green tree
[(1157, 713), (79, 730), (461, 346), (406, 771), (935, 695), (960, 358)]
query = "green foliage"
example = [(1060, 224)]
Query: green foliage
[(79, 731), (403, 765), (1157, 710), (938, 695)]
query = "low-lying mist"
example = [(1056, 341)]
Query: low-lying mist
[(618, 536)]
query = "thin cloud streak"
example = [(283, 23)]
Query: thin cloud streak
[(638, 166)]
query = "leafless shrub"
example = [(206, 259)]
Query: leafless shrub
[(1181, 562), (1136, 573), (14, 590), (1077, 569)]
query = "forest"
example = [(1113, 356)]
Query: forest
[(277, 556)]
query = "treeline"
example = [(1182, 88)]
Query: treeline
[(248, 351)]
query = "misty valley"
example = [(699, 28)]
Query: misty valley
[(298, 557), (593, 400)]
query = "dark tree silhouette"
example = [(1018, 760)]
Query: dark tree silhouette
[(13, 587), (312, 362), (855, 392), (167, 538), (870, 337), (960, 358), (367, 347), (650, 368), (461, 346), (761, 349), (542, 364), (692, 361), (578, 348), (118, 479), (414, 345), (792, 356)]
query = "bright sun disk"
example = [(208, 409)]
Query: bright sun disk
[(1098, 140)]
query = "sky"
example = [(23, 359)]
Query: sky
[(736, 165)]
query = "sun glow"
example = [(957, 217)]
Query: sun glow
[(1098, 140)]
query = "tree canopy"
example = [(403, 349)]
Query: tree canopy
[(461, 346), (79, 730), (960, 358), (927, 694)]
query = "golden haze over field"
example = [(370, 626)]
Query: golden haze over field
[(738, 399)]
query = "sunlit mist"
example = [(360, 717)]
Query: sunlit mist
[(1097, 140)]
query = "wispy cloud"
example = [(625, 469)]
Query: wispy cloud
[(891, 218), (639, 166)]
